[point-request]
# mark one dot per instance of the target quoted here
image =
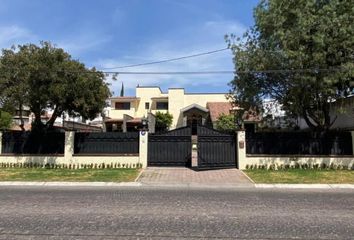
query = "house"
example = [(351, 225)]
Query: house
[(187, 109), (341, 112)]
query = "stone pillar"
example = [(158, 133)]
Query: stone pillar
[(0, 142), (69, 145), (241, 150), (194, 160), (143, 148)]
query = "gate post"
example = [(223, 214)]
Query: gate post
[(0, 142), (241, 150), (69, 146), (143, 148)]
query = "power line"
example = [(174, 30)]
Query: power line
[(309, 70), (229, 71), (167, 60)]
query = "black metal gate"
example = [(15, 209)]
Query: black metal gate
[(216, 149), (172, 148)]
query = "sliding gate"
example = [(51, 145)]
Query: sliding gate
[(172, 148)]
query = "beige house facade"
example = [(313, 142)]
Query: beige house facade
[(186, 108)]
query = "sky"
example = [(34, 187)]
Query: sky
[(110, 33)]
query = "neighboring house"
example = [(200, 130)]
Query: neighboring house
[(63, 122), (342, 111), (126, 113)]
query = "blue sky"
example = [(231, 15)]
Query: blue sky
[(112, 33)]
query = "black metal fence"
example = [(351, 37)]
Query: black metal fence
[(106, 143), (299, 143), (33, 143)]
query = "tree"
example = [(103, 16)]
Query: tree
[(163, 121), (45, 77), (226, 123), (5, 120), (310, 47), (122, 90)]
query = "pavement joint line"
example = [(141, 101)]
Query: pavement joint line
[(247, 176), (141, 172)]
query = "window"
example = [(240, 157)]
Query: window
[(122, 105), (147, 105), (162, 105)]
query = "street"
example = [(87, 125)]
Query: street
[(176, 213)]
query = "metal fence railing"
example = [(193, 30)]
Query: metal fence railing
[(106, 143), (299, 143), (33, 143)]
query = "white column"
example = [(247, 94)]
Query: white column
[(143, 148), (0, 142), (241, 150), (69, 145)]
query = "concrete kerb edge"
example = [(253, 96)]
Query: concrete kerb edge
[(171, 185), (306, 186), (72, 184)]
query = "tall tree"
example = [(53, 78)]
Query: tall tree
[(45, 77), (122, 90), (309, 44)]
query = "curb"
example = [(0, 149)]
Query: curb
[(306, 186), (73, 184), (180, 185)]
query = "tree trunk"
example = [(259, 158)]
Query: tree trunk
[(56, 113), (22, 123)]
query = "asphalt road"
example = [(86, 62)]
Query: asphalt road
[(178, 213)]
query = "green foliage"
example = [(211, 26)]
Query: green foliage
[(315, 36), (226, 122), (5, 120), (44, 76), (163, 121)]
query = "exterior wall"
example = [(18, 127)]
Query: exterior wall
[(69, 158), (145, 94), (176, 97), (343, 111), (245, 160), (202, 99), (175, 104), (118, 114)]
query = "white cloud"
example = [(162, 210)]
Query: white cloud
[(209, 36), (82, 42), (14, 35)]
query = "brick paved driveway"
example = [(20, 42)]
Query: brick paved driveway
[(180, 175)]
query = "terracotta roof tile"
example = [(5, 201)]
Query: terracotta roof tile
[(218, 108)]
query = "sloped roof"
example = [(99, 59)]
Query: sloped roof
[(218, 108), (194, 105)]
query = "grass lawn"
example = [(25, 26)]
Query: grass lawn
[(68, 175), (301, 176)]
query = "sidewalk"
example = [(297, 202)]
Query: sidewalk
[(168, 177)]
